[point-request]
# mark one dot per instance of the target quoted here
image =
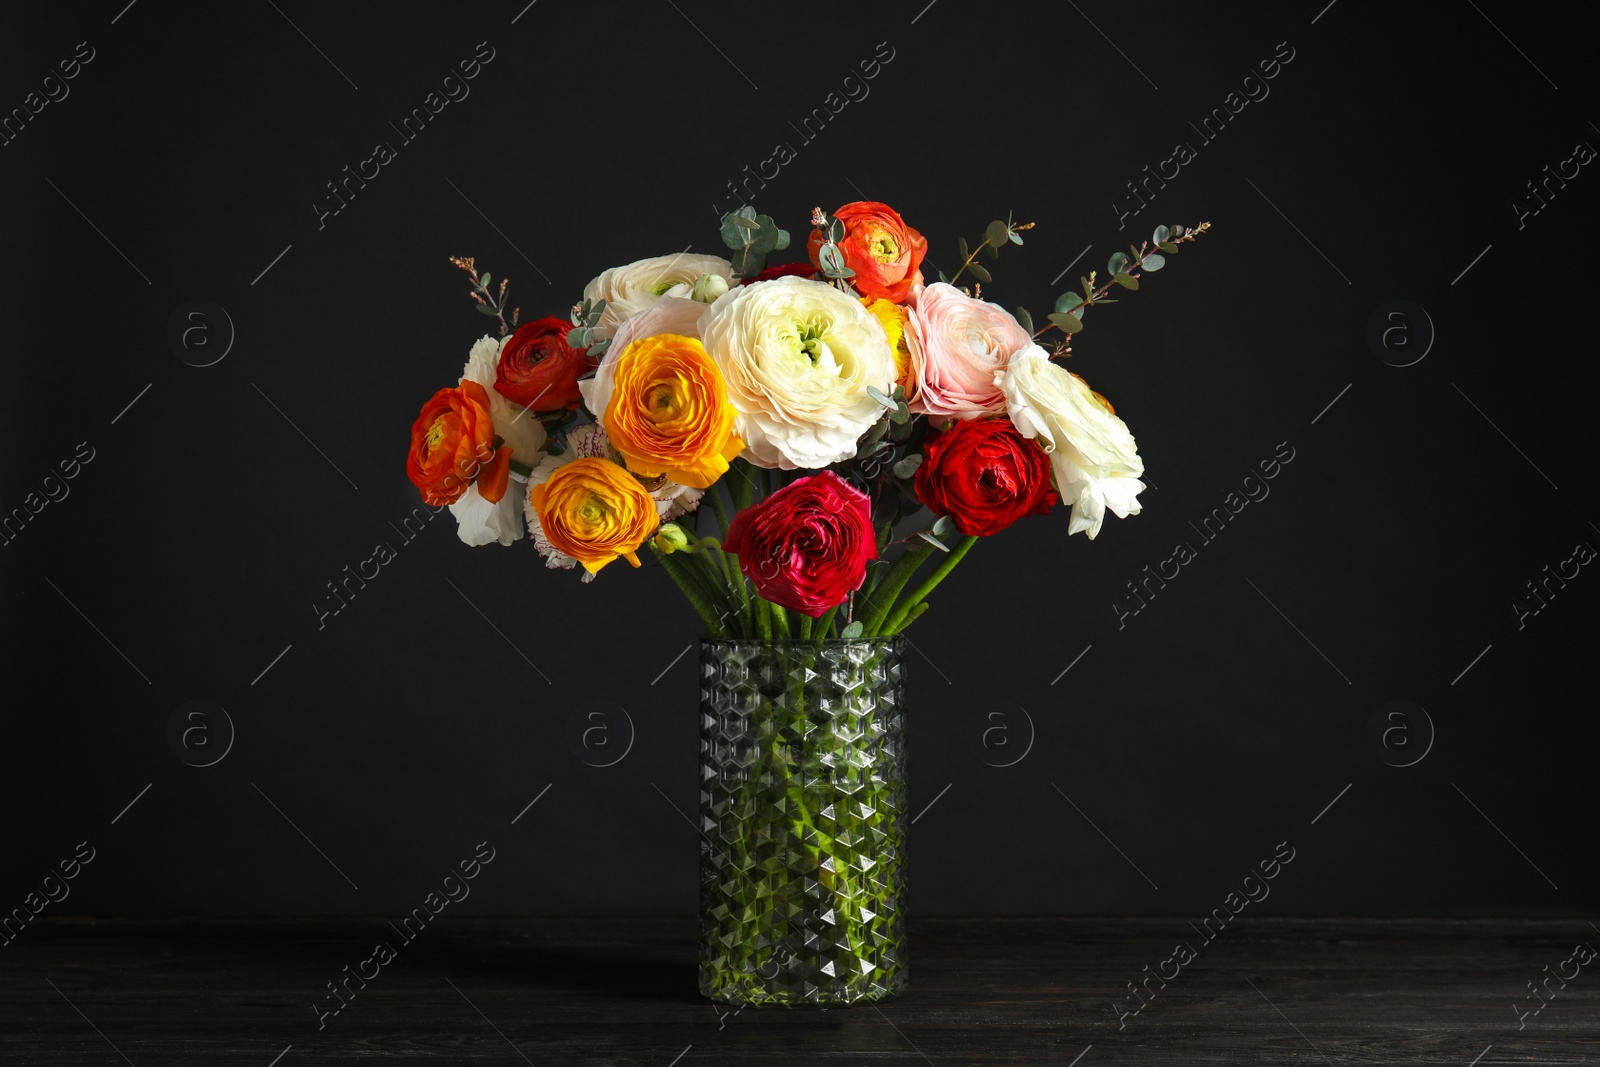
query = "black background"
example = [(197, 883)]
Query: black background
[(1195, 738)]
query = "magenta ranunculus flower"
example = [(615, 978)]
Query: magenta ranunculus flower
[(806, 546), (959, 345)]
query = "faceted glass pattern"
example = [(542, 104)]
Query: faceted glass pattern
[(803, 821)]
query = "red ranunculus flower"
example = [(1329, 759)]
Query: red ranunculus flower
[(885, 253), (984, 475), (806, 546), (783, 270), (538, 369)]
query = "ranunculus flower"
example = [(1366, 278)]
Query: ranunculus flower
[(783, 270), (798, 356), (452, 446), (588, 441), (670, 314), (958, 346), (630, 289), (807, 545), (984, 475), (884, 252), (669, 413), (893, 317), (538, 369), (1095, 459), (478, 520), (594, 511)]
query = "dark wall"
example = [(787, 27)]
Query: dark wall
[(1173, 748)]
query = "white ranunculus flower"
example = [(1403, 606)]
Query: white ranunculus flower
[(1094, 457), (798, 356), (629, 290), (668, 315), (479, 522)]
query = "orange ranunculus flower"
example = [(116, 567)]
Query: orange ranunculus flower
[(594, 511), (669, 411), (885, 253), (452, 445), (893, 318)]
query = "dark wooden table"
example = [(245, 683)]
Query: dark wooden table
[(591, 991)]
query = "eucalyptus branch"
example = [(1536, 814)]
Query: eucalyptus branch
[(1148, 257)]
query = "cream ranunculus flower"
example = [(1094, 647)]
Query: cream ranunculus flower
[(630, 289), (798, 356), (1093, 456), (959, 345), (479, 522)]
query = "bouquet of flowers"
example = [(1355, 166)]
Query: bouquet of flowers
[(815, 406)]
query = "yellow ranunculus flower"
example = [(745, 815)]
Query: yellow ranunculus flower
[(893, 317), (669, 412), (594, 511)]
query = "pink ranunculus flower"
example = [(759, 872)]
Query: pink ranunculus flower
[(958, 345)]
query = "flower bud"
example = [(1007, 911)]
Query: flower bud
[(708, 287), (671, 538)]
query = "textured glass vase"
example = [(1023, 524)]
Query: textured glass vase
[(803, 821)]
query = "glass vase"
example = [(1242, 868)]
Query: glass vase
[(803, 821)]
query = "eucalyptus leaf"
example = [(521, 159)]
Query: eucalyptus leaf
[(942, 278), (1168, 247), (902, 431), (1016, 238), (1024, 319), (880, 397), (1126, 281), (783, 241), (1067, 301), (484, 281), (980, 273), (851, 632), (580, 337), (1117, 263), (932, 540), (484, 309), (1161, 234), (961, 243), (741, 221), (943, 526), (1069, 323), (1154, 261), (901, 414), (907, 468), (996, 233)]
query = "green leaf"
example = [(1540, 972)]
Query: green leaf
[(744, 223), (1168, 247), (831, 260), (1154, 261), (1126, 281), (899, 393), (581, 337), (980, 273), (961, 243), (901, 414), (851, 632), (1088, 289), (484, 309), (591, 319), (996, 233), (903, 431), (942, 278), (483, 282), (907, 468), (1161, 234), (783, 241), (1024, 319), (599, 346), (943, 526), (993, 251), (1016, 238), (1117, 263), (874, 435), (1067, 301), (880, 397), (932, 540), (1069, 323)]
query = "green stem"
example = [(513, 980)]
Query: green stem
[(805, 626), (695, 593), (912, 616), (780, 618), (764, 619), (720, 509), (877, 605), (897, 621), (742, 484), (825, 624)]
